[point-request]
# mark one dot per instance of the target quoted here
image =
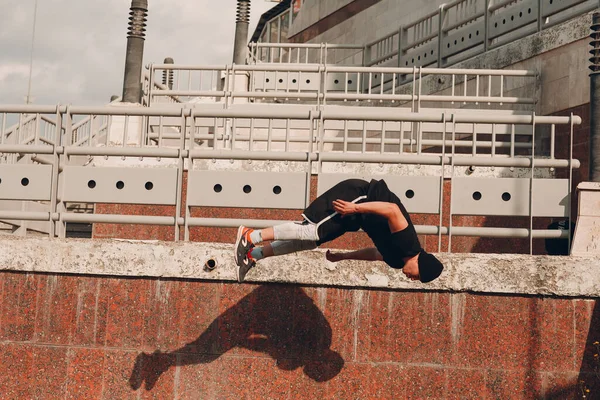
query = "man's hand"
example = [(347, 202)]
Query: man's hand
[(345, 207), (334, 257)]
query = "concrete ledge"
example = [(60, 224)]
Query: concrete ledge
[(486, 273)]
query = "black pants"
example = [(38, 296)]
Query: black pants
[(331, 225)]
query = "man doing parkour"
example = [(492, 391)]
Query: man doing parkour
[(347, 207)]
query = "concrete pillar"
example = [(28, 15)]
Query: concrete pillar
[(587, 232), (241, 32), (595, 100), (132, 82)]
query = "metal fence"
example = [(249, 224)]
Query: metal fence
[(304, 53), (305, 136), (463, 28), (323, 84)]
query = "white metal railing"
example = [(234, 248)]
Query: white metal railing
[(304, 53), (305, 135), (323, 84), (463, 28)]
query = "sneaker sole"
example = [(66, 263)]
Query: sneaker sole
[(237, 244)]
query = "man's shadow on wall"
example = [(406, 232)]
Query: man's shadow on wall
[(281, 321)]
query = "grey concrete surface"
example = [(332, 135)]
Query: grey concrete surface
[(483, 273)]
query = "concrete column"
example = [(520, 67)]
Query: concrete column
[(595, 100), (241, 32), (587, 231), (132, 82)]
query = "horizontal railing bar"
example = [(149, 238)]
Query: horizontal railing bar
[(253, 155), (24, 216), (433, 71), (121, 151), (437, 98), (307, 45), (119, 219), (381, 39), (464, 21), (26, 149)]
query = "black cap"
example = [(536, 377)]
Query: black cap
[(429, 267)]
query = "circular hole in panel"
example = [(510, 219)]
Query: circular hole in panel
[(294, 81), (462, 39), (448, 45), (504, 21), (247, 189), (267, 80), (410, 194), (550, 1), (25, 181), (349, 81), (529, 11), (277, 189), (419, 58), (496, 25), (521, 14), (425, 55), (413, 60), (0, 180), (506, 196), (336, 81), (431, 52), (470, 35), (375, 76), (120, 185), (477, 33), (512, 17), (407, 63), (149, 185), (308, 81), (476, 195), (91, 184), (217, 188), (281, 81), (211, 264), (455, 42)]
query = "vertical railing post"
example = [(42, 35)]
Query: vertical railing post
[(441, 16), (401, 38), (486, 21), (540, 22)]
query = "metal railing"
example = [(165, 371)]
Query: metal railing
[(304, 53), (277, 134), (464, 28), (323, 84)]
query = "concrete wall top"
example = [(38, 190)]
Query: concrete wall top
[(485, 273)]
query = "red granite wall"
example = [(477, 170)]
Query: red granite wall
[(81, 337)]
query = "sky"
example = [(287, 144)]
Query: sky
[(79, 46)]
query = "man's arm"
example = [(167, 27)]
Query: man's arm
[(390, 211), (368, 254)]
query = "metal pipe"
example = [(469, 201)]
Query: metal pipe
[(241, 32), (132, 81), (594, 170)]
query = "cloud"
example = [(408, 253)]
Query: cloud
[(79, 48)]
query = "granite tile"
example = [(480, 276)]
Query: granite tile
[(562, 385), (18, 307), (85, 373), (57, 309), (202, 381), (310, 341), (366, 381), (197, 310), (518, 384), (254, 377), (553, 335), (341, 308), (126, 305), (49, 372), (118, 369), (466, 384), (160, 316), (423, 327), (375, 336), (16, 361), (587, 333), (92, 307), (496, 333), (425, 382)]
